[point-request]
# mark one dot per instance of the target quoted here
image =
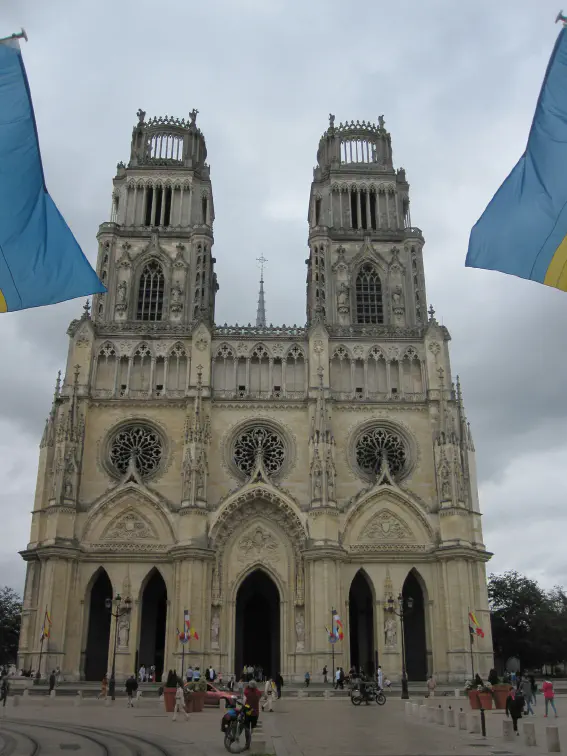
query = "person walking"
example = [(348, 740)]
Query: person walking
[(279, 684), (380, 677), (534, 689), (526, 688), (514, 708), (269, 695), (179, 702), (549, 697), (52, 681), (131, 688), (307, 679), (4, 690), (103, 687), (325, 673), (252, 697), (337, 678), (431, 685)]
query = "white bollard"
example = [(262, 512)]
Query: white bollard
[(462, 720), (507, 729), (423, 711), (26, 692), (474, 724), (529, 734), (138, 695), (552, 737), (108, 701), (457, 693), (450, 717), (415, 710), (326, 694), (408, 708), (15, 700), (52, 693), (78, 699), (431, 714), (439, 716)]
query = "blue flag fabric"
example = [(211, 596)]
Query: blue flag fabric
[(40, 261), (523, 231)]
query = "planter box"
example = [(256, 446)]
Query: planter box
[(189, 703), (473, 699), (198, 700), (500, 695), (169, 699), (485, 700)]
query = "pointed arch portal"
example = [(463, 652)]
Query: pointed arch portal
[(98, 633), (414, 630), (361, 624), (257, 632), (152, 630)]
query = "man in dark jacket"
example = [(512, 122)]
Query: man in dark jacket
[(279, 683), (515, 707), (52, 679), (131, 688)]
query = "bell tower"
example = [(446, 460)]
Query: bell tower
[(365, 264), (155, 253)]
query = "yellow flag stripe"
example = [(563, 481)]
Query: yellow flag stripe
[(3, 305), (556, 274)]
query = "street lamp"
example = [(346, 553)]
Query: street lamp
[(402, 609), (121, 608)]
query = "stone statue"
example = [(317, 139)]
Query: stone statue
[(176, 294), (390, 631), (300, 630), (445, 490), (122, 292), (381, 121), (193, 116), (317, 483), (123, 633), (141, 115), (68, 488), (331, 121), (343, 299), (215, 628)]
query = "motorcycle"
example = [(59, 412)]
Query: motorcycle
[(367, 692), (234, 725)]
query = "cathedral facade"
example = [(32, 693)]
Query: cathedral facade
[(259, 478)]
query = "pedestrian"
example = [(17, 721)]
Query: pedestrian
[(269, 695), (179, 702), (307, 679), (211, 674), (189, 674), (549, 696), (52, 681), (131, 688), (279, 684), (231, 683), (241, 687), (103, 687), (514, 707), (58, 674), (252, 697), (142, 674), (534, 689), (337, 678), (153, 673), (380, 677), (526, 688), (196, 674), (325, 673), (4, 690), (342, 677), (431, 685)]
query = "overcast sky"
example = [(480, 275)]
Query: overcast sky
[(457, 83)]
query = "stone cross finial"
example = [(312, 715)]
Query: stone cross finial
[(431, 312), (76, 374), (58, 384), (87, 310)]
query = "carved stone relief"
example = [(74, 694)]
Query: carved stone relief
[(129, 527), (386, 526), (258, 545), (300, 629)]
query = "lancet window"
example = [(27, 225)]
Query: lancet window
[(150, 292), (369, 302)]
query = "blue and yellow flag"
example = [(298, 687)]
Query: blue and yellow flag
[(523, 231), (40, 260)]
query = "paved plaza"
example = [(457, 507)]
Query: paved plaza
[(299, 727)]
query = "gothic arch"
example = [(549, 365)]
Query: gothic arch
[(94, 576), (248, 570), (146, 579)]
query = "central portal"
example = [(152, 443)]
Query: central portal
[(257, 637)]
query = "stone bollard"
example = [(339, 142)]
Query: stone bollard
[(26, 692), (439, 716), (138, 695), (258, 746), (52, 693), (529, 734), (457, 693), (431, 714), (474, 724), (462, 717), (423, 711), (326, 694), (507, 729), (415, 710), (108, 701), (408, 708), (552, 737), (78, 698), (15, 700), (450, 717)]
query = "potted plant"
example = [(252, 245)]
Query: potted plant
[(198, 693), (485, 696), (500, 690), (169, 691), (472, 692)]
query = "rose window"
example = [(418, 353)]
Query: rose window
[(259, 440), (139, 442), (375, 444)]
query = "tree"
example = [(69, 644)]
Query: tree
[(10, 619)]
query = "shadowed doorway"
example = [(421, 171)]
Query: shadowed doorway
[(98, 634), (361, 624), (257, 637), (154, 614), (414, 630)]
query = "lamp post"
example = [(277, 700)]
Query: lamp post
[(402, 609), (121, 608)]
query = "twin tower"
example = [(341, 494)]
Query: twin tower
[(258, 477)]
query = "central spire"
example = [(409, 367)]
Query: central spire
[(261, 314)]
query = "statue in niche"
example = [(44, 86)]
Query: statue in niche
[(445, 490), (300, 630), (123, 633), (122, 294), (215, 629), (176, 298), (390, 632), (68, 488), (343, 299), (397, 300), (317, 483)]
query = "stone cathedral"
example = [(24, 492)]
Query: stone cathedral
[(257, 476)]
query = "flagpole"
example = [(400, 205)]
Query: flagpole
[(41, 644), (471, 640), (332, 644)]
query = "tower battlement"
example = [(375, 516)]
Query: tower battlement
[(167, 141)]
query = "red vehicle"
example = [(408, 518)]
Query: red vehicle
[(215, 696)]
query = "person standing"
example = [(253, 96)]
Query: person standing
[(534, 688), (526, 687), (189, 674), (337, 678), (279, 684), (196, 674), (431, 685), (325, 673), (549, 696), (380, 677), (52, 681), (142, 674), (514, 708), (179, 702), (211, 674), (269, 695), (307, 679), (103, 687), (131, 688), (4, 690), (252, 697)]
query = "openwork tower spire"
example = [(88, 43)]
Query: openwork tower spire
[(261, 313)]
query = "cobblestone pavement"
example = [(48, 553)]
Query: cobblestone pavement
[(298, 727)]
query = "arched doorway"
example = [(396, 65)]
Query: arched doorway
[(414, 629), (257, 636), (152, 628), (98, 633), (361, 623)]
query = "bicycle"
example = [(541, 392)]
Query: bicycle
[(234, 724)]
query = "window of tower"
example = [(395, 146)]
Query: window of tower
[(317, 211), (148, 209), (157, 210), (363, 218), (150, 292), (373, 211), (167, 209), (353, 210), (204, 210), (369, 304)]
